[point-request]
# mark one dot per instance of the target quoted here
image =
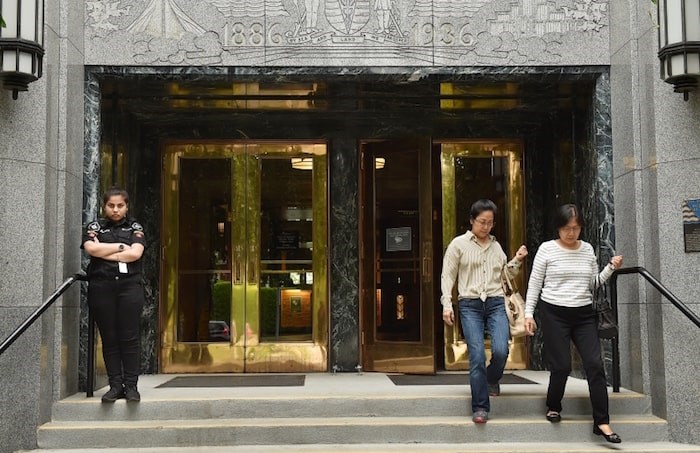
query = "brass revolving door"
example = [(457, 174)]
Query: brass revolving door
[(244, 234)]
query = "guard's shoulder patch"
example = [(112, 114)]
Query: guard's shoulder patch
[(94, 226), (137, 227)]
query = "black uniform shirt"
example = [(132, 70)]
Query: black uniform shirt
[(128, 231)]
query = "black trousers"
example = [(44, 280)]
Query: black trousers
[(561, 326), (116, 306)]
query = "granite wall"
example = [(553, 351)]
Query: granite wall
[(40, 205), (657, 163)]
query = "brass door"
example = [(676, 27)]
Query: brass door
[(396, 256), (244, 236), (471, 170)]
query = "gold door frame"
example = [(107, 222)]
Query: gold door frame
[(249, 354), (456, 356)]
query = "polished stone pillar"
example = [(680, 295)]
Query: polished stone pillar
[(345, 309), (91, 200)]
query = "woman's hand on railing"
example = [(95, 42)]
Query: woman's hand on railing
[(616, 262)]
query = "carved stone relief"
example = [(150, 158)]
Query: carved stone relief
[(348, 32)]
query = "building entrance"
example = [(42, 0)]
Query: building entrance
[(244, 237), (415, 197), (208, 161)]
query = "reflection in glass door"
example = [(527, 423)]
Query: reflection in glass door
[(244, 258), (470, 171)]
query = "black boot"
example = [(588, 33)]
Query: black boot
[(114, 393), (132, 394)]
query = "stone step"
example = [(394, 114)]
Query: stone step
[(79, 408), (336, 430), (477, 447)]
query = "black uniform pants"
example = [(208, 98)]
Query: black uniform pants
[(116, 306), (561, 326)]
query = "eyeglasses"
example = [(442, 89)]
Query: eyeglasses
[(571, 229), (484, 223)]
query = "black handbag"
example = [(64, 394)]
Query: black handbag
[(607, 324)]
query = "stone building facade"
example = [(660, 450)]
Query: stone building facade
[(571, 85)]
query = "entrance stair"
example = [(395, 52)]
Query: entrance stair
[(347, 412)]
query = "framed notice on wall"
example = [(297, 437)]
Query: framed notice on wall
[(398, 239), (691, 225)]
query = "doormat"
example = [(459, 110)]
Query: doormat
[(268, 380), (449, 379)]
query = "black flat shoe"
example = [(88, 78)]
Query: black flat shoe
[(612, 437), (553, 417)]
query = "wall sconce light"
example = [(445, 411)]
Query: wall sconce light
[(379, 162), (21, 43), (679, 44)]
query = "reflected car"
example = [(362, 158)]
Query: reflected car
[(219, 331)]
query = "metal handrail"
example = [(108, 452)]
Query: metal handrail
[(664, 292), (40, 310)]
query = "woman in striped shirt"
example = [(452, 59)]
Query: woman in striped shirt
[(475, 260), (564, 275)]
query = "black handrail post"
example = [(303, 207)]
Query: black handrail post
[(90, 374), (615, 342), (661, 289)]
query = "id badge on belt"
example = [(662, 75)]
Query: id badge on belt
[(122, 268)]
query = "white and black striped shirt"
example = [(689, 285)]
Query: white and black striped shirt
[(564, 277)]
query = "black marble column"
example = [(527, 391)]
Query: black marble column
[(344, 256), (91, 201), (603, 198)]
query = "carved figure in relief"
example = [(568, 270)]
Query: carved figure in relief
[(307, 22), (311, 15), (385, 16)]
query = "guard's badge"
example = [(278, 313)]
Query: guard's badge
[(138, 228), (93, 227)]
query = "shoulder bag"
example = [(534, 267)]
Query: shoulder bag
[(515, 306), (607, 324)]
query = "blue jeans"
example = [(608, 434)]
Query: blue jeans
[(476, 315)]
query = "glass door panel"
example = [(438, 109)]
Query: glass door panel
[(396, 256), (286, 284), (397, 253), (204, 276), (244, 234), (471, 171)]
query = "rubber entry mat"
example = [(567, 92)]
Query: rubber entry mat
[(448, 379), (268, 380)]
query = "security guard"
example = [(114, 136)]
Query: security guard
[(115, 244)]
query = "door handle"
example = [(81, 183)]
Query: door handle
[(252, 266), (253, 277), (427, 266), (237, 271)]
